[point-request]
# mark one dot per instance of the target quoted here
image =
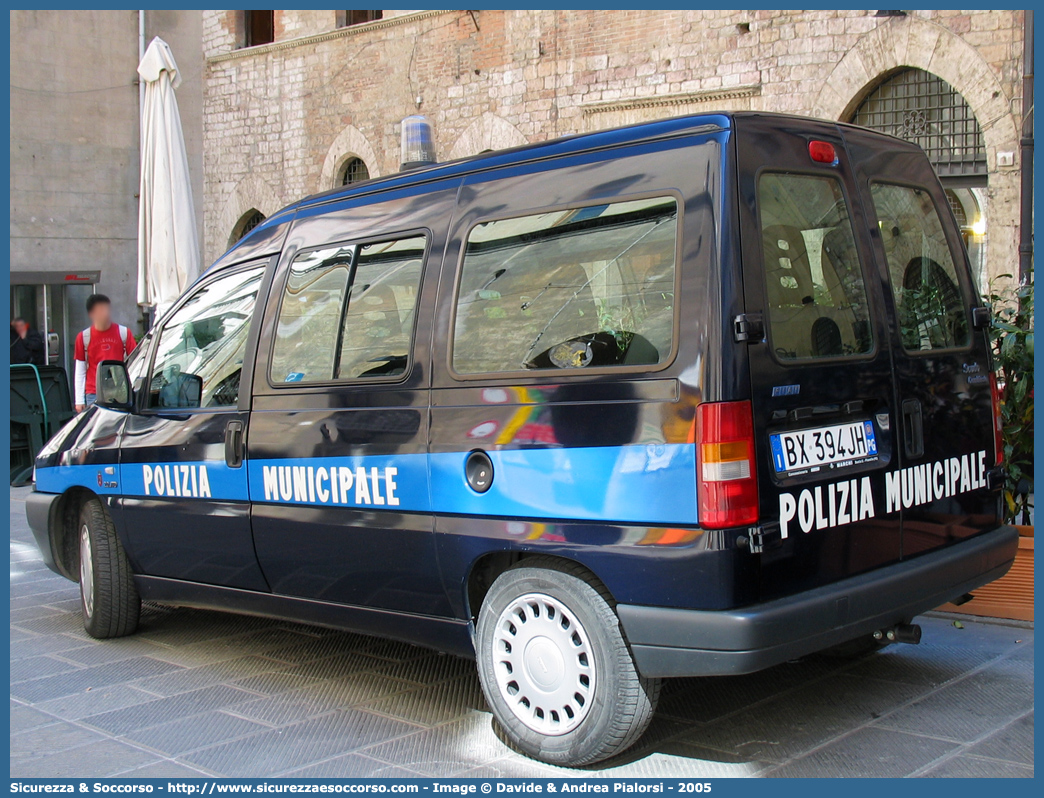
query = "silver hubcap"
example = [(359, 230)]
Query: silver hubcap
[(86, 571), (544, 665)]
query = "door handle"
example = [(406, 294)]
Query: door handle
[(234, 444), (913, 428)]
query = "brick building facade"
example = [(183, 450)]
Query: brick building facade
[(282, 120)]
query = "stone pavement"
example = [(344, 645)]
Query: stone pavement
[(204, 693)]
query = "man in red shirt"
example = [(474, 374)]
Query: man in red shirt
[(103, 340)]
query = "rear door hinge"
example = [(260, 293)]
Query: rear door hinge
[(758, 538), (995, 478), (748, 328), (982, 317)]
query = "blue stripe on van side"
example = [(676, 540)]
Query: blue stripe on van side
[(200, 479), (59, 479), (210, 479), (639, 484), (389, 482)]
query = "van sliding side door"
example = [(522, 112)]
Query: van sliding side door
[(339, 430), (820, 366)]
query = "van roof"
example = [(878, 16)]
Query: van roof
[(563, 146)]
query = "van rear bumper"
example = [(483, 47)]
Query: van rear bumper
[(677, 642)]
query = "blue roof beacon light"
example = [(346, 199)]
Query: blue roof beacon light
[(418, 147)]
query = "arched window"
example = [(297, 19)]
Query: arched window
[(352, 171), (960, 212), (921, 107), (969, 209), (247, 222)]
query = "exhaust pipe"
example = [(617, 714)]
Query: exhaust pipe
[(908, 633), (900, 633)]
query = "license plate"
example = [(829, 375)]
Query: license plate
[(834, 446)]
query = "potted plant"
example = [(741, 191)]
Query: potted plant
[(1012, 335)]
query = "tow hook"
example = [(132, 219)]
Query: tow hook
[(900, 633)]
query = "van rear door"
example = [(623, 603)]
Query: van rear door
[(947, 435), (820, 363)]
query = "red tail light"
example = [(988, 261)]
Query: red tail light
[(998, 420), (727, 484), (822, 152)]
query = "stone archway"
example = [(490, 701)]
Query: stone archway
[(488, 132), (247, 222), (913, 42), (250, 194), (350, 143)]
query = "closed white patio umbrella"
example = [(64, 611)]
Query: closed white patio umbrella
[(168, 243)]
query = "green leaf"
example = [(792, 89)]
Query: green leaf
[(1020, 391)]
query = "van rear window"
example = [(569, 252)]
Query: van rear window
[(928, 298), (580, 288), (816, 297), (347, 312)]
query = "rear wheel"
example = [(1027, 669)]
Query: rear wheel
[(109, 599), (555, 668)]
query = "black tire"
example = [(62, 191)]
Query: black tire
[(621, 703), (109, 599)]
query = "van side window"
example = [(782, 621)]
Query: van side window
[(817, 305), (928, 298), (580, 288), (199, 351), (347, 312)]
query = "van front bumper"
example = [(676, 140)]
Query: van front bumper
[(41, 511), (677, 642)]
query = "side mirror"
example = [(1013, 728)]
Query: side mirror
[(113, 390)]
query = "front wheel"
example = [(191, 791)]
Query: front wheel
[(555, 668), (109, 599)]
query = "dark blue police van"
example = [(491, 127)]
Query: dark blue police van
[(692, 397)]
